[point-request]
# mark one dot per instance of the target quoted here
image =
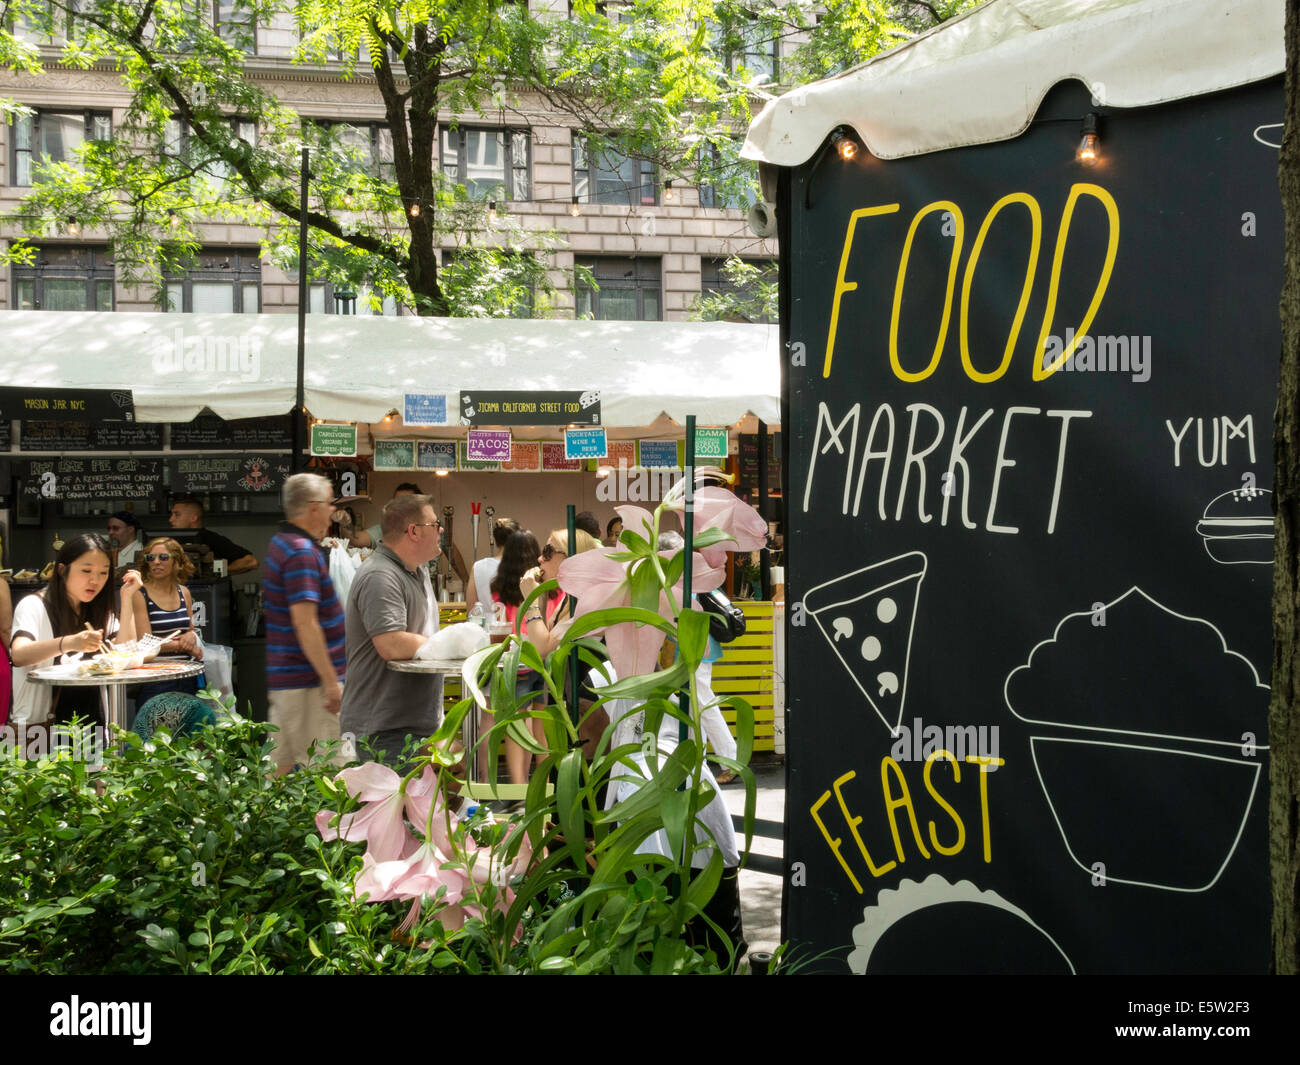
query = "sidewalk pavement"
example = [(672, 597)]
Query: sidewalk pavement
[(762, 877)]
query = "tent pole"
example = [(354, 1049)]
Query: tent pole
[(299, 410), (764, 556)]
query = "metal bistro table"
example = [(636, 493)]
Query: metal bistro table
[(476, 789), (115, 684)]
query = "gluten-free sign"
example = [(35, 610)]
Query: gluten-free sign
[(488, 445)]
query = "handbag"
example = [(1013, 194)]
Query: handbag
[(726, 621)]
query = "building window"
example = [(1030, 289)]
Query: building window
[(220, 280), (725, 180), (628, 290), (747, 291), (328, 298), (748, 46), (603, 175), (178, 144), (490, 163), (65, 278), (236, 24), (483, 282), (53, 136), (367, 145)]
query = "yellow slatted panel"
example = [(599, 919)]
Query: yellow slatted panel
[(745, 669)]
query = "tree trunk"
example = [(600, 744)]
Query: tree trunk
[(1284, 709)]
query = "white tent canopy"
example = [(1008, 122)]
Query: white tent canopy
[(359, 367), (980, 77)]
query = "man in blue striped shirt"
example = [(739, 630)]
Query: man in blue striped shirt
[(305, 645)]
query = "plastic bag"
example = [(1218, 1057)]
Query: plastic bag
[(218, 667)]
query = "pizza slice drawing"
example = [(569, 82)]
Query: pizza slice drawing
[(867, 617)]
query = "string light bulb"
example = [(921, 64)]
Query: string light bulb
[(74, 227), (844, 144), (173, 219), (414, 210), (574, 210), (669, 194), (347, 197), (492, 212), (1088, 142)]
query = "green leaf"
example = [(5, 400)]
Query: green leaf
[(647, 684), (646, 588), (672, 771), (693, 636), (709, 537)]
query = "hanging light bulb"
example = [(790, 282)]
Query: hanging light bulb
[(347, 197), (669, 195), (844, 144), (173, 219), (492, 212), (441, 473), (414, 210), (1088, 143), (74, 227), (573, 208)]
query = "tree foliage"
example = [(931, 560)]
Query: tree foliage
[(668, 80)]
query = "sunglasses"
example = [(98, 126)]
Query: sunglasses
[(550, 551), (157, 558)]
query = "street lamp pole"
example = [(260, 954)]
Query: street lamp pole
[(299, 410)]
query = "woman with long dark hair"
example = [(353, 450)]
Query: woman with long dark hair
[(479, 589), (518, 557), (76, 611)]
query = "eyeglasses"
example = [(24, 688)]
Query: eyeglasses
[(549, 552), (426, 525), (157, 558)]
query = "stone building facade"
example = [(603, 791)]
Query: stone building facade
[(651, 256)]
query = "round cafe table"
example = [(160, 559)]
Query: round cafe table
[(115, 684), (468, 731)]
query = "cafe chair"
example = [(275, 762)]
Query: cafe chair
[(178, 712)]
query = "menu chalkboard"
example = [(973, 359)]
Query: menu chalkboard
[(76, 404), (207, 432), (228, 474), (70, 479), (90, 436), (6, 427), (1031, 541), (747, 484)]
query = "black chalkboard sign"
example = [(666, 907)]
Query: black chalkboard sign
[(6, 434), (73, 404), (228, 474), (75, 479), (747, 479), (207, 432), (90, 436), (1030, 545)]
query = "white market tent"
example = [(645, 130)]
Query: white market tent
[(359, 367), (979, 78)]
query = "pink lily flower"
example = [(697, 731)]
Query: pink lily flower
[(600, 582), (717, 508), (380, 822)]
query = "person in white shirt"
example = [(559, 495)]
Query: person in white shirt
[(75, 612), (123, 531), (480, 587)]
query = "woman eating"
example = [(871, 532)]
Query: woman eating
[(165, 605), (75, 612)]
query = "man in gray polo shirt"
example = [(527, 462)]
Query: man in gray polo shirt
[(391, 612)]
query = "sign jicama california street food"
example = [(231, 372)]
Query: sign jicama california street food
[(1031, 537), (530, 408)]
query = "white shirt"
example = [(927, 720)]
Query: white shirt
[(128, 554), (484, 570), (33, 702)]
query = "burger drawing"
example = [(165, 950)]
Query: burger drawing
[(1237, 527)]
